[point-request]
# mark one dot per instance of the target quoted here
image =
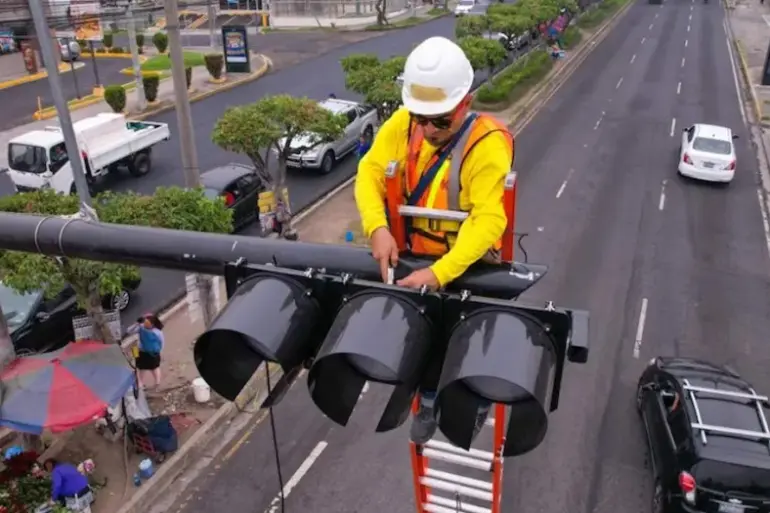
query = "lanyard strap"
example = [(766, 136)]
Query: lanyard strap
[(427, 178)]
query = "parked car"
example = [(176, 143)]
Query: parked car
[(70, 50), (707, 153), (312, 152), (708, 438), (463, 6), (38, 325), (239, 186)]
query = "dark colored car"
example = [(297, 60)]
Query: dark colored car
[(708, 438), (38, 324), (240, 186)]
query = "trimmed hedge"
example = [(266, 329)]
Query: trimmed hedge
[(160, 40), (516, 79), (107, 40), (151, 83), (115, 96), (214, 64), (597, 15), (571, 37)]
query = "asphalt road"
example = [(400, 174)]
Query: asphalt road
[(20, 102), (594, 166)]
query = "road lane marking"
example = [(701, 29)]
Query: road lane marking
[(617, 86), (275, 505), (735, 80), (766, 18), (765, 221), (688, 28), (683, 62), (599, 121), (564, 184), (656, 15), (364, 390), (679, 88), (662, 202), (633, 58), (640, 328), (690, 18), (673, 126), (685, 43), (650, 27)]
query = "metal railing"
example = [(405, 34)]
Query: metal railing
[(332, 8)]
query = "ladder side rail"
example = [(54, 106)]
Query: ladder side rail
[(743, 433), (761, 415), (728, 393), (497, 464), (697, 411), (419, 466)]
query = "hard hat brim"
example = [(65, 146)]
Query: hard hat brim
[(423, 108)]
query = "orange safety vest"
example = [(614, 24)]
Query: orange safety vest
[(435, 237)]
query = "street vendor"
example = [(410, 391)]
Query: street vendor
[(66, 482)]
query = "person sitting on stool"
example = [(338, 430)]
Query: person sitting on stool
[(66, 482)]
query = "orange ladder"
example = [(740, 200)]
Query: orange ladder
[(458, 489)]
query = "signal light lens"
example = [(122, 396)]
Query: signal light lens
[(269, 317), (688, 486)]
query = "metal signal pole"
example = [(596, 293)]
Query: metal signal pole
[(141, 100)]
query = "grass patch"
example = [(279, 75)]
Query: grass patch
[(512, 83), (409, 22), (163, 62), (597, 15)]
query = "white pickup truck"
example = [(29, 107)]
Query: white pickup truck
[(39, 159)]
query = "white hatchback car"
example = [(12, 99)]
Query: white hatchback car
[(707, 153)]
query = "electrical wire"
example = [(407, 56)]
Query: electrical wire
[(275, 443)]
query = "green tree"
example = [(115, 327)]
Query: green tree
[(483, 53), (375, 80), (471, 26), (269, 126), (511, 23), (181, 209)]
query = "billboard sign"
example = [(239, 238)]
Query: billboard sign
[(85, 17), (236, 44)]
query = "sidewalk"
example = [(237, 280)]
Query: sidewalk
[(750, 22)]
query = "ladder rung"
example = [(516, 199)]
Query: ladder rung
[(456, 489), (473, 453), (454, 478), (457, 459), (452, 504), (490, 422), (435, 508)]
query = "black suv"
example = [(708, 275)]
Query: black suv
[(708, 437), (38, 324)]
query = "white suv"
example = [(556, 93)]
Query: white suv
[(707, 153), (311, 152)]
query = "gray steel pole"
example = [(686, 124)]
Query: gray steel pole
[(141, 100), (70, 140), (186, 135), (212, 25)]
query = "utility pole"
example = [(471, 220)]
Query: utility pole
[(212, 25), (140, 99), (54, 80), (186, 136)]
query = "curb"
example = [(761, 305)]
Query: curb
[(40, 75), (745, 72), (253, 393), (50, 112)]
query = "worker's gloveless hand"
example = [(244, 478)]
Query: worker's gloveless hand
[(420, 278), (384, 250)]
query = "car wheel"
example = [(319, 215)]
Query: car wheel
[(327, 163), (140, 165), (659, 500), (121, 300)]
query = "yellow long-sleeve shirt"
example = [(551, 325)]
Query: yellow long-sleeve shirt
[(481, 195)]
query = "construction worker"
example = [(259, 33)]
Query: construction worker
[(450, 159)]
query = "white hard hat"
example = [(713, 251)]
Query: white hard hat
[(437, 76)]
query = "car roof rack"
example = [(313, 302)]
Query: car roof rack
[(758, 401)]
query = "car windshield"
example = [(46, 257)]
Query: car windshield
[(709, 145), (26, 158), (16, 307), (466, 3)]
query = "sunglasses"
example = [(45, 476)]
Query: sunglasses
[(440, 122)]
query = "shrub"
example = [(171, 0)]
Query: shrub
[(107, 40), (83, 44), (188, 76), (101, 50), (151, 83), (516, 79), (571, 37), (140, 42), (115, 96), (118, 49), (214, 64), (160, 40)]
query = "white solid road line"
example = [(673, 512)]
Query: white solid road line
[(673, 126), (275, 505), (765, 222), (662, 202), (640, 328), (735, 79), (617, 86), (564, 184), (679, 88)]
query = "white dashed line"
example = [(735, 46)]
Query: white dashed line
[(679, 88), (673, 126), (662, 201), (633, 58), (364, 390), (650, 27), (564, 184), (656, 15), (617, 86), (688, 28), (685, 43), (303, 469), (683, 62), (640, 328), (644, 39), (599, 121), (690, 18)]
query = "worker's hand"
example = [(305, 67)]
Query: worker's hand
[(419, 278), (384, 250)]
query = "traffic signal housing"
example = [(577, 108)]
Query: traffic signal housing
[(349, 331)]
